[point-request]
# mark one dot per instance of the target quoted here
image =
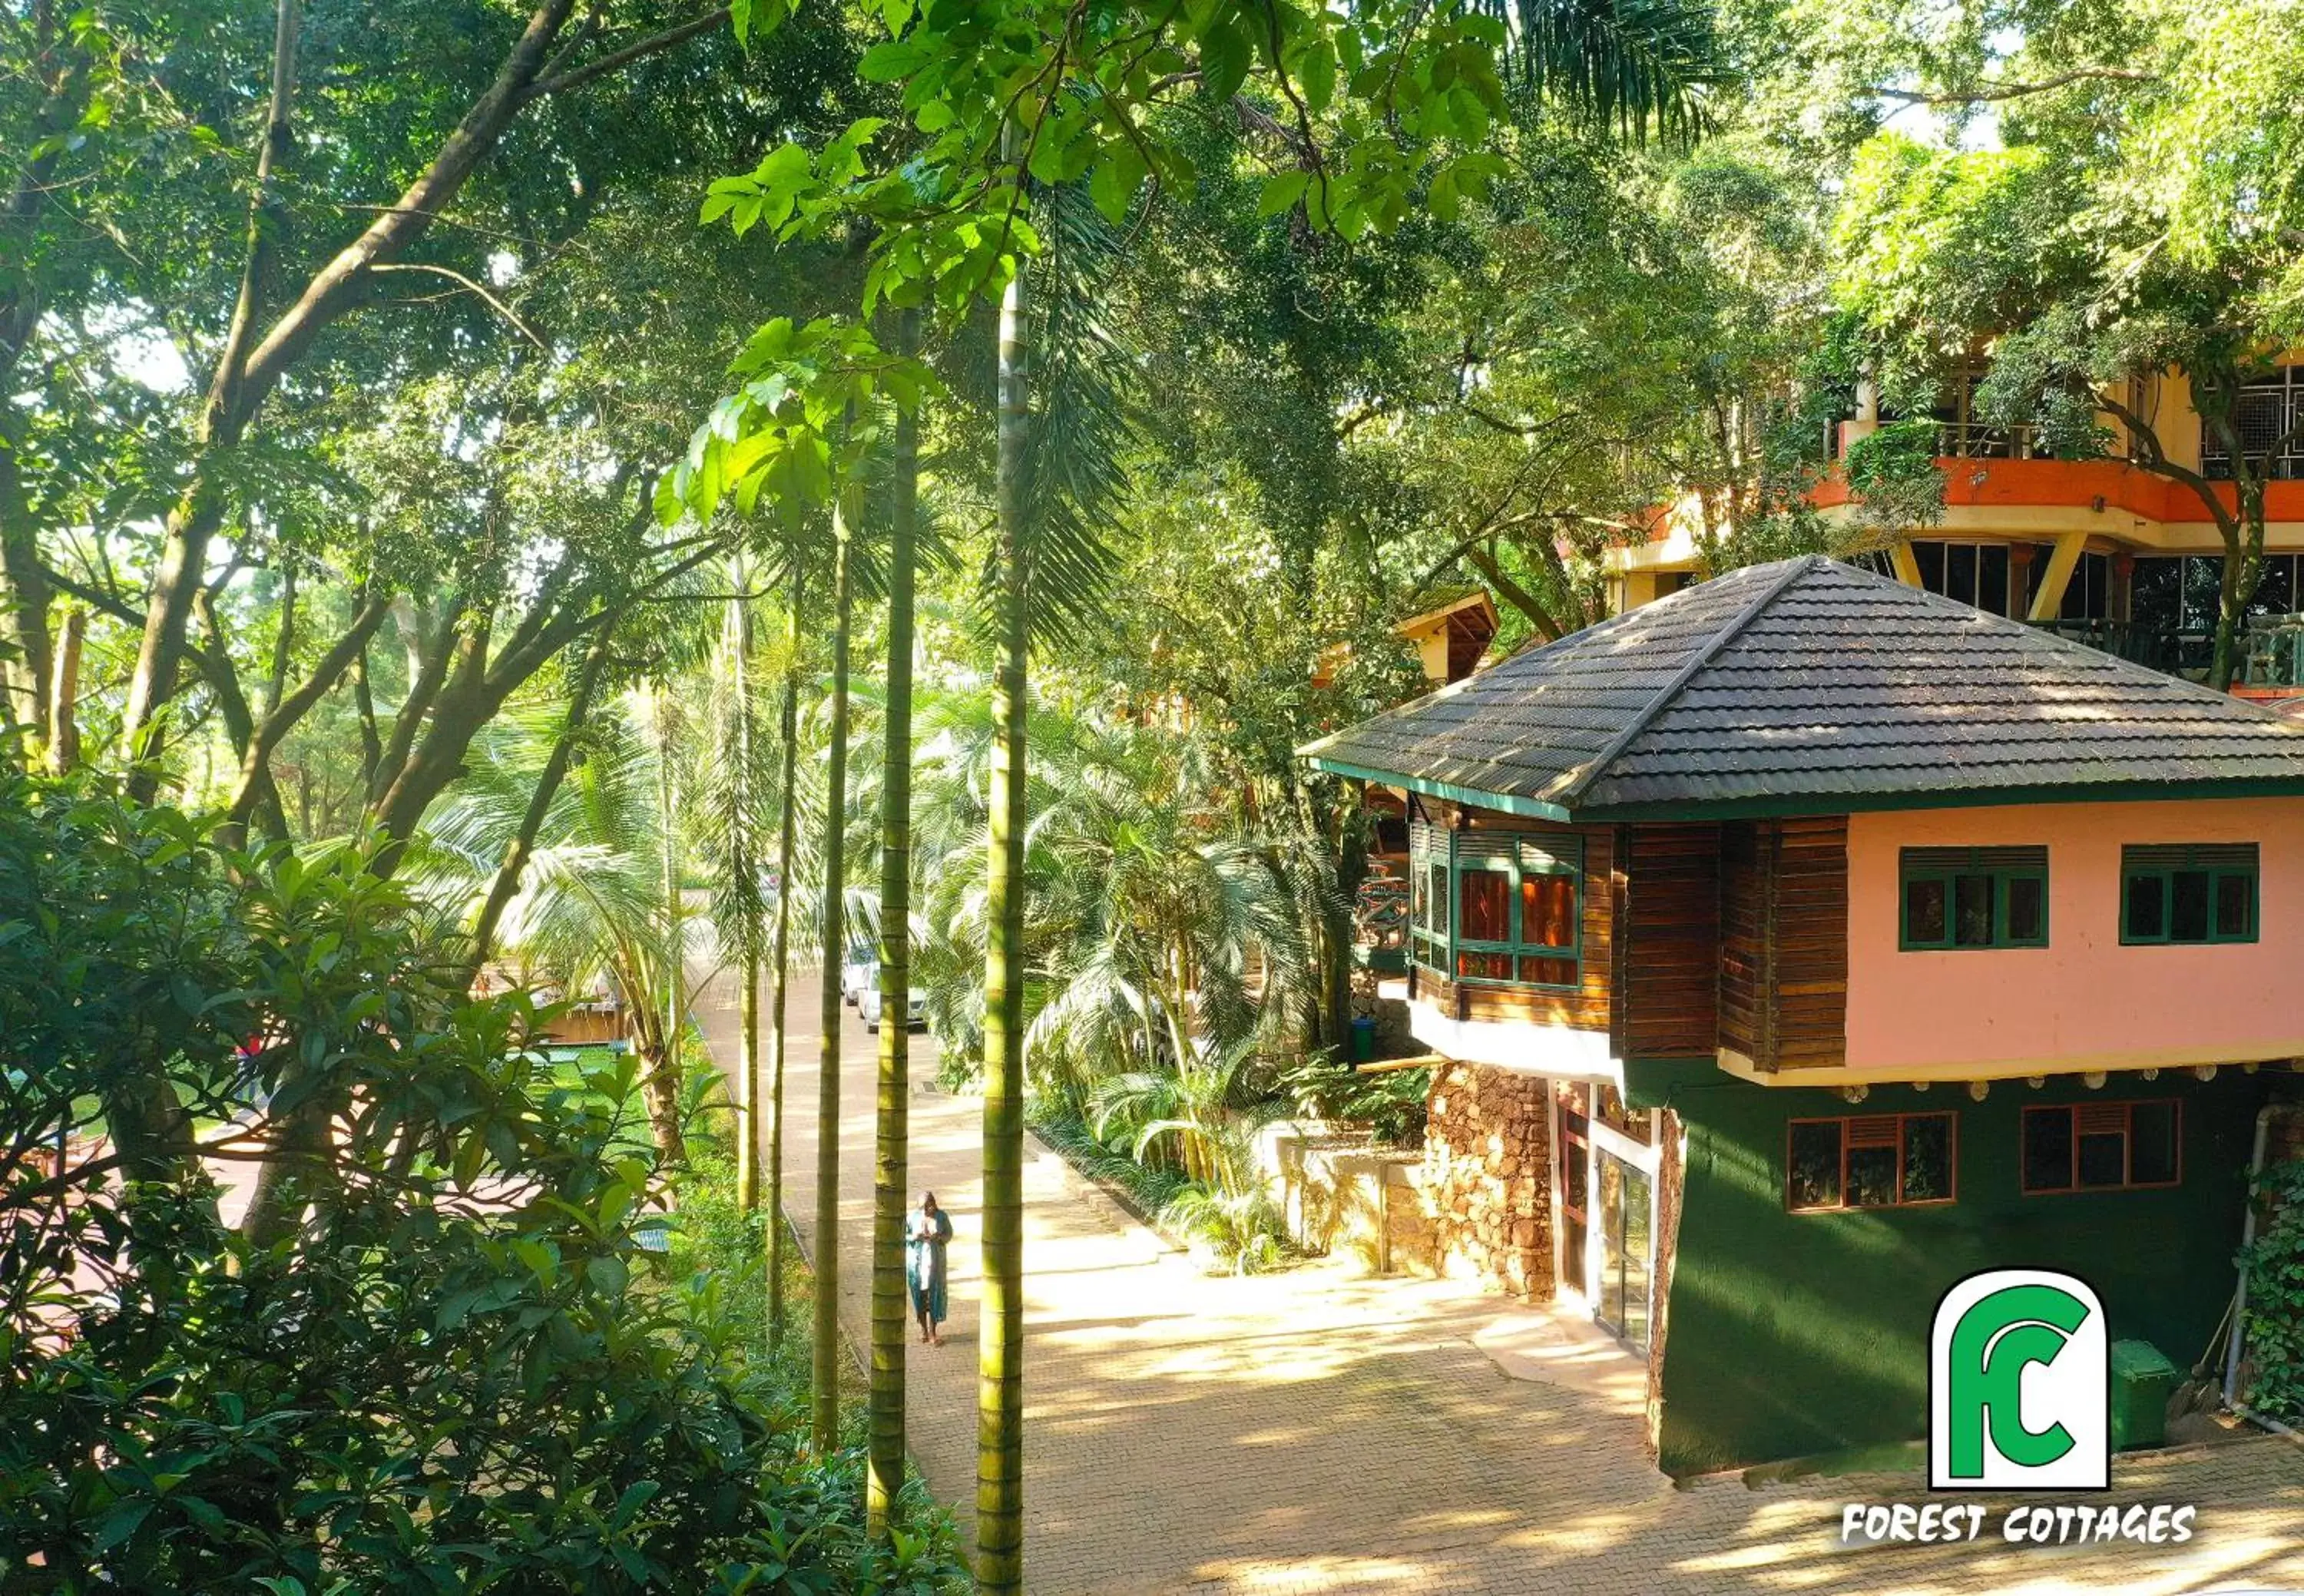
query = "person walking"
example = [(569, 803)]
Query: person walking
[(925, 1245)]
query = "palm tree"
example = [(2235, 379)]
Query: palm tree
[(591, 905), (825, 1368), (1059, 477), (733, 784), (787, 743), (890, 1204), (662, 1084), (1000, 1351)]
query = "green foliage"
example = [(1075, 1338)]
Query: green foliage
[(1392, 1104), (800, 419), (1241, 1231), (459, 1364), (1894, 470), (1065, 1130), (2274, 1263), (1938, 249)]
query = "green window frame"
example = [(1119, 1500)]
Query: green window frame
[(1971, 899), (2189, 894), (1492, 908)]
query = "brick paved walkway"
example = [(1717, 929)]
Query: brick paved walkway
[(1312, 1433)]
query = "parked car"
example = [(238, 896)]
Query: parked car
[(860, 973), (916, 1011)]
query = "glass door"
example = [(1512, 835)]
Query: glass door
[(1575, 1177), (1622, 1306)]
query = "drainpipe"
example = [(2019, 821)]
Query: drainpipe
[(2247, 1237)]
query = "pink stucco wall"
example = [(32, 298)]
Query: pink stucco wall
[(2084, 1000)]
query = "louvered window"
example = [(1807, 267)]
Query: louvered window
[(2103, 1147), (1870, 1160), (2188, 894), (1500, 908), (1973, 897)]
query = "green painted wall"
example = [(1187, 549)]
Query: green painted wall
[(1792, 1334)]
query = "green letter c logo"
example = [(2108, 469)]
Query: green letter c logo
[(1992, 1343)]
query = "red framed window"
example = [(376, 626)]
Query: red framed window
[(2104, 1147), (1871, 1160)]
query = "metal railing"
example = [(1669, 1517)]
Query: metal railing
[(2163, 648), (1976, 440)]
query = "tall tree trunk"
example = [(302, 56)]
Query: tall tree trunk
[(748, 1081), (364, 709), (744, 863), (517, 852), (23, 599), (63, 695), (61, 69), (788, 728), (676, 972), (660, 1093), (297, 1172), (825, 1380), (891, 1175), (2243, 570), (224, 418), (1000, 1356)]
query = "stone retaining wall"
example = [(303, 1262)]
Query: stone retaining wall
[(1486, 1177)]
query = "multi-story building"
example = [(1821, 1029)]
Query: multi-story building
[(1810, 943), (2101, 550)]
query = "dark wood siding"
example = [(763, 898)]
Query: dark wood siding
[(1745, 935), (1812, 943), (1784, 941), (1668, 950)]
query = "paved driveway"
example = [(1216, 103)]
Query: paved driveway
[(1312, 1431)]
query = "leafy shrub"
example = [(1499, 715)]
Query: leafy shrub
[(1243, 1231), (446, 1360), (1151, 1190), (2274, 1263), (1390, 1104)]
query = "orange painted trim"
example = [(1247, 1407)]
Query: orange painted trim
[(2078, 484)]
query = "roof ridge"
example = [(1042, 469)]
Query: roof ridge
[(1526, 654), (1581, 779)]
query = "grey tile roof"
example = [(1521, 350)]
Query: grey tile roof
[(1810, 682)]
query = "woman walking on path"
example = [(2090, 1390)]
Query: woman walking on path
[(931, 1232)]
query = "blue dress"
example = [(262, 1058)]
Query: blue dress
[(924, 1250)]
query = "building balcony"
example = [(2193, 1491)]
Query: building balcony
[(2161, 647), (1974, 440)]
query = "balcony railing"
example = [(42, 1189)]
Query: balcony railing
[(2177, 653), (2217, 467), (1975, 440)]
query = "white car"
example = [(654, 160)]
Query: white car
[(916, 1011), (860, 973)]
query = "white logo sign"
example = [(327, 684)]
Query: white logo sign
[(2020, 1385)]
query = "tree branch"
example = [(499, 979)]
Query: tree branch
[(1987, 93), (2144, 450), (332, 289), (494, 303), (255, 774), (1547, 623), (655, 44)]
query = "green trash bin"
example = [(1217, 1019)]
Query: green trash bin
[(2142, 1381)]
